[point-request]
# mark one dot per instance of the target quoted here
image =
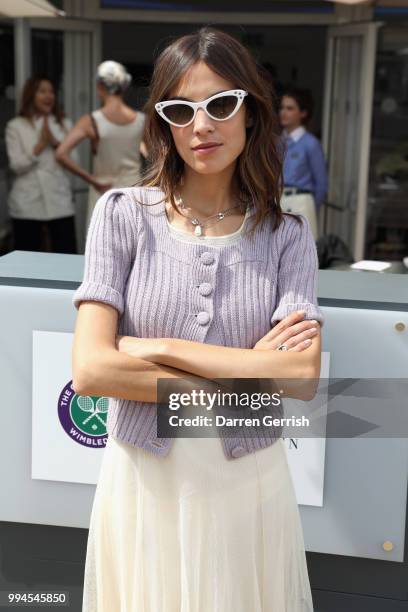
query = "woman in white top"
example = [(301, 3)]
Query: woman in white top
[(116, 133), (41, 195)]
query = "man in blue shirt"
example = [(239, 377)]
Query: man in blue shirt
[(304, 163)]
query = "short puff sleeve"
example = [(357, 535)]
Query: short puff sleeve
[(109, 251), (298, 271)]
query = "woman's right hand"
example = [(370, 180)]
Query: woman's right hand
[(293, 331), (101, 187)]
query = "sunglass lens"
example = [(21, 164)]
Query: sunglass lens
[(178, 113), (223, 107)]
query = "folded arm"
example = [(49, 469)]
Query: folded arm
[(297, 370), (213, 361), (99, 368)]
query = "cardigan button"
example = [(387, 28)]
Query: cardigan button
[(238, 451), (203, 317), (205, 288), (207, 258)]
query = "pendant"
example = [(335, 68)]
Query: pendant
[(198, 230)]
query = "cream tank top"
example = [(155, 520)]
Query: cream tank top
[(215, 241), (118, 157)]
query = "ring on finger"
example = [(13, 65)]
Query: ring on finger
[(283, 347)]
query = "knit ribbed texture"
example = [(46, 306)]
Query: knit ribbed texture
[(159, 285)]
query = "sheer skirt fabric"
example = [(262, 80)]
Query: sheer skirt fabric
[(195, 532)]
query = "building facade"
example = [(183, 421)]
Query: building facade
[(353, 59)]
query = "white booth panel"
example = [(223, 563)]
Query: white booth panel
[(365, 485)]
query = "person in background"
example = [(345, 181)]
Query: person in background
[(116, 134), (304, 167), (41, 194)]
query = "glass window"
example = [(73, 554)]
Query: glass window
[(47, 55), (387, 221)]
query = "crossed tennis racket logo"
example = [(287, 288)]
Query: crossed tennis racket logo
[(87, 404)]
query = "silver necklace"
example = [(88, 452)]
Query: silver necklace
[(200, 225)]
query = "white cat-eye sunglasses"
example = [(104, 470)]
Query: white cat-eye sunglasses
[(221, 106)]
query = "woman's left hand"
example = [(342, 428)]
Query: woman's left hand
[(143, 348), (294, 331)]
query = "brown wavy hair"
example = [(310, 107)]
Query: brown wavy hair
[(258, 172), (27, 99)]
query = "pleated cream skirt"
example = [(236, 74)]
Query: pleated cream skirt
[(195, 532)]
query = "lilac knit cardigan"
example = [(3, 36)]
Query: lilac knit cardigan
[(163, 287)]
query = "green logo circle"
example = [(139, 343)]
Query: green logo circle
[(89, 413)]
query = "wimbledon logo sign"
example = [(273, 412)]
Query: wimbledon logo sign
[(83, 417)]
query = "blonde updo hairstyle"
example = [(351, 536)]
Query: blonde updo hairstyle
[(113, 77)]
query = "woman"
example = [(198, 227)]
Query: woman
[(41, 195), (207, 523), (116, 133), (304, 168)]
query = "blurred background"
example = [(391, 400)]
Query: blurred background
[(352, 56)]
